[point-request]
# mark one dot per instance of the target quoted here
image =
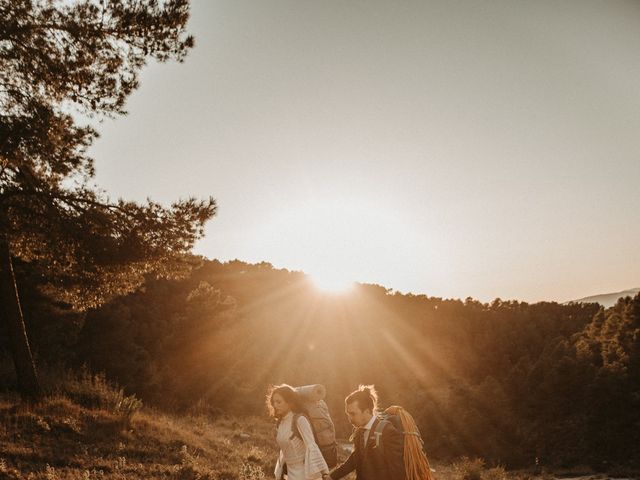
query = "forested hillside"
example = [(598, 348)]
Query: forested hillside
[(506, 381)]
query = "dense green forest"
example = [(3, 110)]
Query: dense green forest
[(507, 381)]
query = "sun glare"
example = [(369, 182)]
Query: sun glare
[(338, 239), (331, 283)]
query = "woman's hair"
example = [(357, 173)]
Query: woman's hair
[(366, 396), (288, 394)]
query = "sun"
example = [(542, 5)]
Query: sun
[(331, 282)]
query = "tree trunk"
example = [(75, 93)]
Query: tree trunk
[(10, 309)]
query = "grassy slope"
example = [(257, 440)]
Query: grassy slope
[(60, 438), (89, 430)]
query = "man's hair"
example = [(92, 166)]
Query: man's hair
[(366, 396)]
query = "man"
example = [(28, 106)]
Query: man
[(367, 460)]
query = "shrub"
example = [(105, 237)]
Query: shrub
[(495, 473), (468, 469), (7, 472), (190, 467), (91, 391), (251, 472)]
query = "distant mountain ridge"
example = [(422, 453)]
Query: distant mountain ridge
[(608, 299)]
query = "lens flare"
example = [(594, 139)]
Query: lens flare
[(331, 282)]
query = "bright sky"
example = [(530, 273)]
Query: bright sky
[(452, 148)]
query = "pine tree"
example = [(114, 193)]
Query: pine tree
[(61, 61)]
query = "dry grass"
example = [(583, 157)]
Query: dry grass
[(87, 429), (62, 439)]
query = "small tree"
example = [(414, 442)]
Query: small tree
[(57, 56)]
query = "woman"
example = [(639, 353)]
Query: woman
[(298, 449)]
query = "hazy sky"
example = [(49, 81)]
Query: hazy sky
[(452, 148)]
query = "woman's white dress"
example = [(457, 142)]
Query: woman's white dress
[(302, 456)]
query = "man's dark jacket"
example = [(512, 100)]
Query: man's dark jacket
[(371, 464)]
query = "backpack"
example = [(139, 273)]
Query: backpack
[(324, 433), (415, 458)]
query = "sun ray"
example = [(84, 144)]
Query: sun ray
[(331, 282)]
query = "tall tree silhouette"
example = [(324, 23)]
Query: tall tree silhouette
[(57, 56)]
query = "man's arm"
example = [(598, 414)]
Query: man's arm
[(394, 452), (345, 468)]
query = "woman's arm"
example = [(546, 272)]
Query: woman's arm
[(314, 461), (277, 472)]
